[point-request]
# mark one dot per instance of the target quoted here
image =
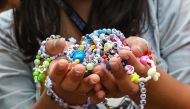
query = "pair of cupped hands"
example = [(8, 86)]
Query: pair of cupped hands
[(72, 87)]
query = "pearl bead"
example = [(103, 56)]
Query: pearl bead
[(89, 66), (37, 62), (46, 63)]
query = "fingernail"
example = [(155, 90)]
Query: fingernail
[(62, 66), (59, 43), (77, 72), (61, 40), (126, 58), (93, 81), (123, 55), (113, 64), (99, 74), (139, 50), (100, 95)]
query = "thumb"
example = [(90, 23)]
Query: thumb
[(55, 46), (139, 46)]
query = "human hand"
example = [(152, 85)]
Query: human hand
[(119, 84), (69, 84)]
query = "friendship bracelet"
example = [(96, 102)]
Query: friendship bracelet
[(55, 97), (96, 48)]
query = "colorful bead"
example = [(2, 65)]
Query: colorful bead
[(93, 47), (89, 66), (81, 47), (130, 69), (135, 78), (143, 60), (37, 62), (154, 74), (46, 64), (107, 46), (37, 56), (41, 77), (36, 73), (77, 61), (78, 55), (49, 59)]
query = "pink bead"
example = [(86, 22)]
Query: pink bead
[(143, 60)]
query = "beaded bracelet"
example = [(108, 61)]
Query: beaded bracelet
[(61, 102), (96, 48)]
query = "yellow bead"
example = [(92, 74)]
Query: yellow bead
[(107, 46), (77, 61), (81, 47), (135, 78), (92, 46)]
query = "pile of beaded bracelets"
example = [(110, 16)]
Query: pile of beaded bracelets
[(96, 48)]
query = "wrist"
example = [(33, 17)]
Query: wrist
[(45, 102), (64, 101)]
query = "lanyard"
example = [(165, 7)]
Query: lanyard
[(75, 18)]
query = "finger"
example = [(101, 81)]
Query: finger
[(73, 78), (122, 79), (57, 70), (55, 46), (106, 77), (98, 97), (139, 46), (132, 60), (98, 87), (88, 83)]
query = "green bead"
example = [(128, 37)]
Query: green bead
[(36, 73), (35, 78), (49, 59), (46, 64), (38, 56), (37, 62), (80, 49), (89, 66), (41, 77), (58, 36), (101, 53), (41, 69)]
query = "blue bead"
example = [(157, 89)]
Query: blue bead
[(78, 55), (101, 31), (88, 37), (101, 53), (104, 30), (85, 44), (71, 55), (109, 31)]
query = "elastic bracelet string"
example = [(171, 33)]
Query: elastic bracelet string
[(96, 48)]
